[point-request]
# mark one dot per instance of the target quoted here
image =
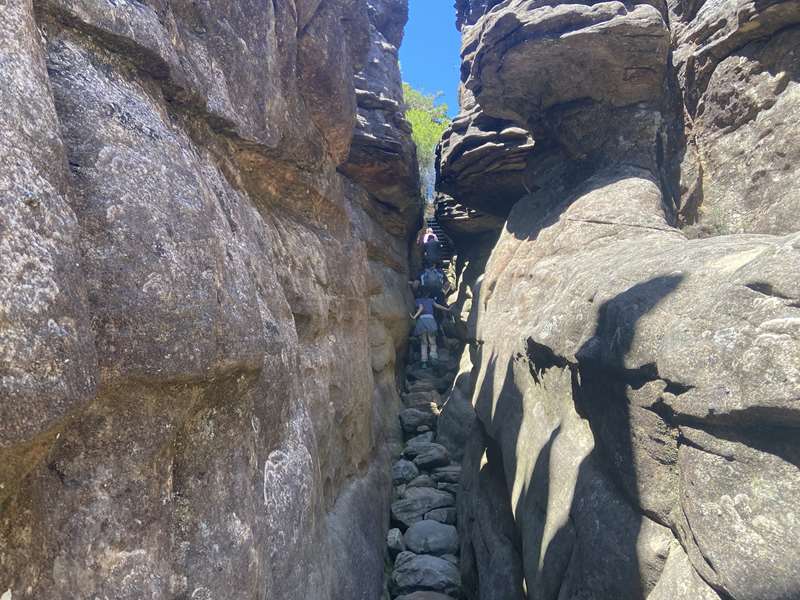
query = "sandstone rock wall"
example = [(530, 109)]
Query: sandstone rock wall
[(634, 389), (202, 295)]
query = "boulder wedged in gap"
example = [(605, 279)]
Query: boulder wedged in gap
[(417, 502), (431, 537), (413, 573)]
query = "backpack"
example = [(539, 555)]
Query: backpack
[(433, 250), (432, 279)]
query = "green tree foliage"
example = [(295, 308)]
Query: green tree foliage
[(428, 122)]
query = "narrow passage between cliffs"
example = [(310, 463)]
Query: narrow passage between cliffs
[(423, 544)]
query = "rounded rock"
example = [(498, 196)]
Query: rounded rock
[(431, 537), (404, 471)]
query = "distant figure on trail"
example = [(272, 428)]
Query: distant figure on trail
[(426, 327), (424, 235), (432, 248)]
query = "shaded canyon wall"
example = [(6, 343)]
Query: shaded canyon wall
[(633, 385), (204, 215)]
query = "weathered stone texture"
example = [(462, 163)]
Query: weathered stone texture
[(47, 358), (632, 349), (480, 161), (382, 155), (635, 390), (199, 313), (744, 150)]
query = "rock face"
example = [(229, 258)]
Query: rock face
[(202, 292), (480, 161), (382, 154), (633, 391), (738, 66)]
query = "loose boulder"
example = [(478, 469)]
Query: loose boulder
[(424, 596), (413, 573), (431, 537), (434, 456), (443, 515), (417, 502), (449, 474), (423, 480), (394, 541), (403, 471), (412, 419)]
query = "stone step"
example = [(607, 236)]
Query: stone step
[(423, 480), (445, 515), (424, 542), (424, 596), (404, 471), (420, 386), (413, 449), (453, 488), (422, 398), (431, 537), (423, 572), (417, 502), (449, 474), (412, 419), (422, 438), (432, 457), (452, 558)]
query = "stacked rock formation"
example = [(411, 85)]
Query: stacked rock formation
[(202, 296), (423, 544), (632, 395), (481, 158)]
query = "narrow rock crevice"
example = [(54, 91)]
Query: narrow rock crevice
[(423, 545)]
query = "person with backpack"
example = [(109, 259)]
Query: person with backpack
[(425, 234), (426, 327), (433, 279), (432, 249), (429, 236)]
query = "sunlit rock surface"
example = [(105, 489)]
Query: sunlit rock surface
[(633, 390), (738, 66), (482, 161), (382, 155), (199, 313)]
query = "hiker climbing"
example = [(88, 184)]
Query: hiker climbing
[(432, 249), (432, 278), (423, 546), (426, 327)]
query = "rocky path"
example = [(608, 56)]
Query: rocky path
[(423, 543)]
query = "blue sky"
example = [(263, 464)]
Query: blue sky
[(429, 56)]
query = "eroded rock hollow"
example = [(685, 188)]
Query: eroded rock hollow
[(204, 216), (622, 183)]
